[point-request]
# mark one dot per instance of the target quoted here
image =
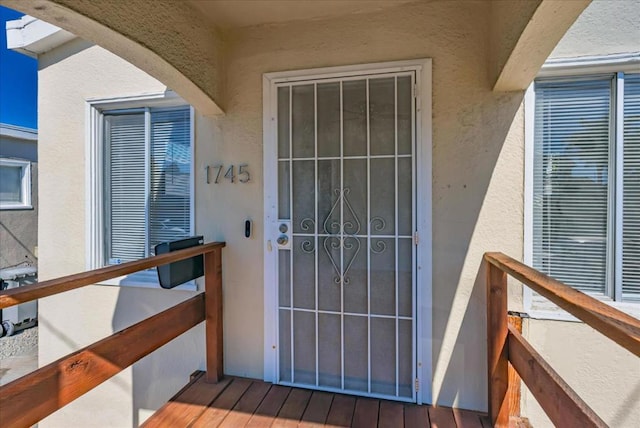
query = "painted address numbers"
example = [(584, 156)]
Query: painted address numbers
[(231, 173)]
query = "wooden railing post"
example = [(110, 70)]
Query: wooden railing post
[(514, 393), (213, 313), (497, 349)]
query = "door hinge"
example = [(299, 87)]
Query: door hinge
[(416, 238), (415, 90), (417, 382)]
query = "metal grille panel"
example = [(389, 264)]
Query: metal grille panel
[(347, 283)]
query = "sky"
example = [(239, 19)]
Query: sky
[(18, 80)]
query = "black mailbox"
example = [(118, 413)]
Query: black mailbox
[(176, 273)]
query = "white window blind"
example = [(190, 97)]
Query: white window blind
[(586, 186), (571, 177), (147, 181), (125, 210), (170, 192), (631, 204)]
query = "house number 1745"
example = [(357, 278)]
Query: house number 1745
[(230, 173)]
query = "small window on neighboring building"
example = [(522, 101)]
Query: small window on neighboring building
[(586, 183), (147, 180), (15, 184)]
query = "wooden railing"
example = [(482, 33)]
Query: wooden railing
[(33, 397), (506, 345)]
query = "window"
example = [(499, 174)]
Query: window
[(586, 183), (15, 184), (140, 189), (147, 179)]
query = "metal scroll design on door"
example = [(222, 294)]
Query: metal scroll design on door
[(341, 235)]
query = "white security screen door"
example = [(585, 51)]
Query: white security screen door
[(346, 220)]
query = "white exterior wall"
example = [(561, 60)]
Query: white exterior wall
[(604, 374), (605, 27), (68, 76)]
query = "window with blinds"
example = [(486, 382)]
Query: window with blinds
[(577, 164), (147, 181), (631, 192)]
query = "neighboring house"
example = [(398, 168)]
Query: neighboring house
[(18, 219), (18, 196), (373, 190)]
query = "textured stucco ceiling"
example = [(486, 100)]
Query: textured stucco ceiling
[(243, 13)]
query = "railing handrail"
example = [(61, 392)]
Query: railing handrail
[(31, 398), (27, 400), (15, 296), (506, 345), (564, 406), (611, 322)]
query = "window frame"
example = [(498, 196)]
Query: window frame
[(25, 183), (572, 69), (95, 189)]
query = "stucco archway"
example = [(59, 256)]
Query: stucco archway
[(170, 41), (523, 34)]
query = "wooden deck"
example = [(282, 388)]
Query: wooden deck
[(239, 402)]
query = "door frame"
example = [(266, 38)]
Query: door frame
[(423, 165)]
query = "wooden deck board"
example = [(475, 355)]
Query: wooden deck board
[(341, 413), (218, 410), (293, 408), (241, 413), (317, 410), (466, 419), (240, 402), (441, 417), (186, 406), (269, 408), (391, 415), (416, 416), (366, 413)]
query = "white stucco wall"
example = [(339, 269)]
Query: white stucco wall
[(604, 374), (477, 194), (605, 27), (67, 77)]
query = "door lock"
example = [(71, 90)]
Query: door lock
[(284, 239)]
